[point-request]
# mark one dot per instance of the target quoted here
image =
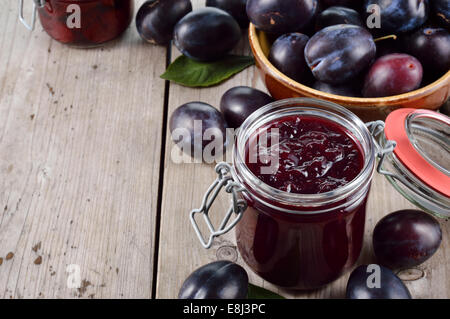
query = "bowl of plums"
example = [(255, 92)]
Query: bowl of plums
[(370, 56)]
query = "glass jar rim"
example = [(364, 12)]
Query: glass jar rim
[(334, 112)]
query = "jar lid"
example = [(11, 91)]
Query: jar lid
[(423, 145)]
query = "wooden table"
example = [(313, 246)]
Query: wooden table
[(88, 191)]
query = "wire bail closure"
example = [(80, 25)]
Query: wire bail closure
[(383, 152), (376, 128), (36, 4), (238, 206)]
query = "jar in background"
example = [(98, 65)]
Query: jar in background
[(82, 23)]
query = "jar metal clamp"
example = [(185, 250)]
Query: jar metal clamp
[(223, 180), (36, 4)]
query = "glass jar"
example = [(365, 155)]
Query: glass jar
[(82, 23), (292, 240)]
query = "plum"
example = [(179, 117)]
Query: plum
[(191, 124), (338, 15), (275, 16), (236, 8), (398, 16), (406, 238), (240, 102), (347, 89), (364, 284), (156, 19), (393, 74), (339, 53), (206, 34), (288, 56), (216, 280), (441, 10), (431, 46)]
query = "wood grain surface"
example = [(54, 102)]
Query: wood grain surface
[(83, 135), (80, 149)]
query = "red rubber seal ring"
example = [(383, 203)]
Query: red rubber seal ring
[(395, 130)]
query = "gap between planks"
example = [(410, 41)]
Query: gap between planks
[(161, 174)]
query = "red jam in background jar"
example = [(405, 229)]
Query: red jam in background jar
[(304, 222), (86, 23), (315, 155)]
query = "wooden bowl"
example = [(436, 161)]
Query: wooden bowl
[(280, 86)]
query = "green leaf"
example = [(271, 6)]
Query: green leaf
[(188, 72), (255, 292)]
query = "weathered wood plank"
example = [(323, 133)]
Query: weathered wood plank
[(184, 186), (80, 140)]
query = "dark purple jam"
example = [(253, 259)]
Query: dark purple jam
[(315, 155)]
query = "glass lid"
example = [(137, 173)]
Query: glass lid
[(419, 166), (423, 145)]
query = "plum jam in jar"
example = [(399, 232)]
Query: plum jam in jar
[(300, 179), (82, 23)]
